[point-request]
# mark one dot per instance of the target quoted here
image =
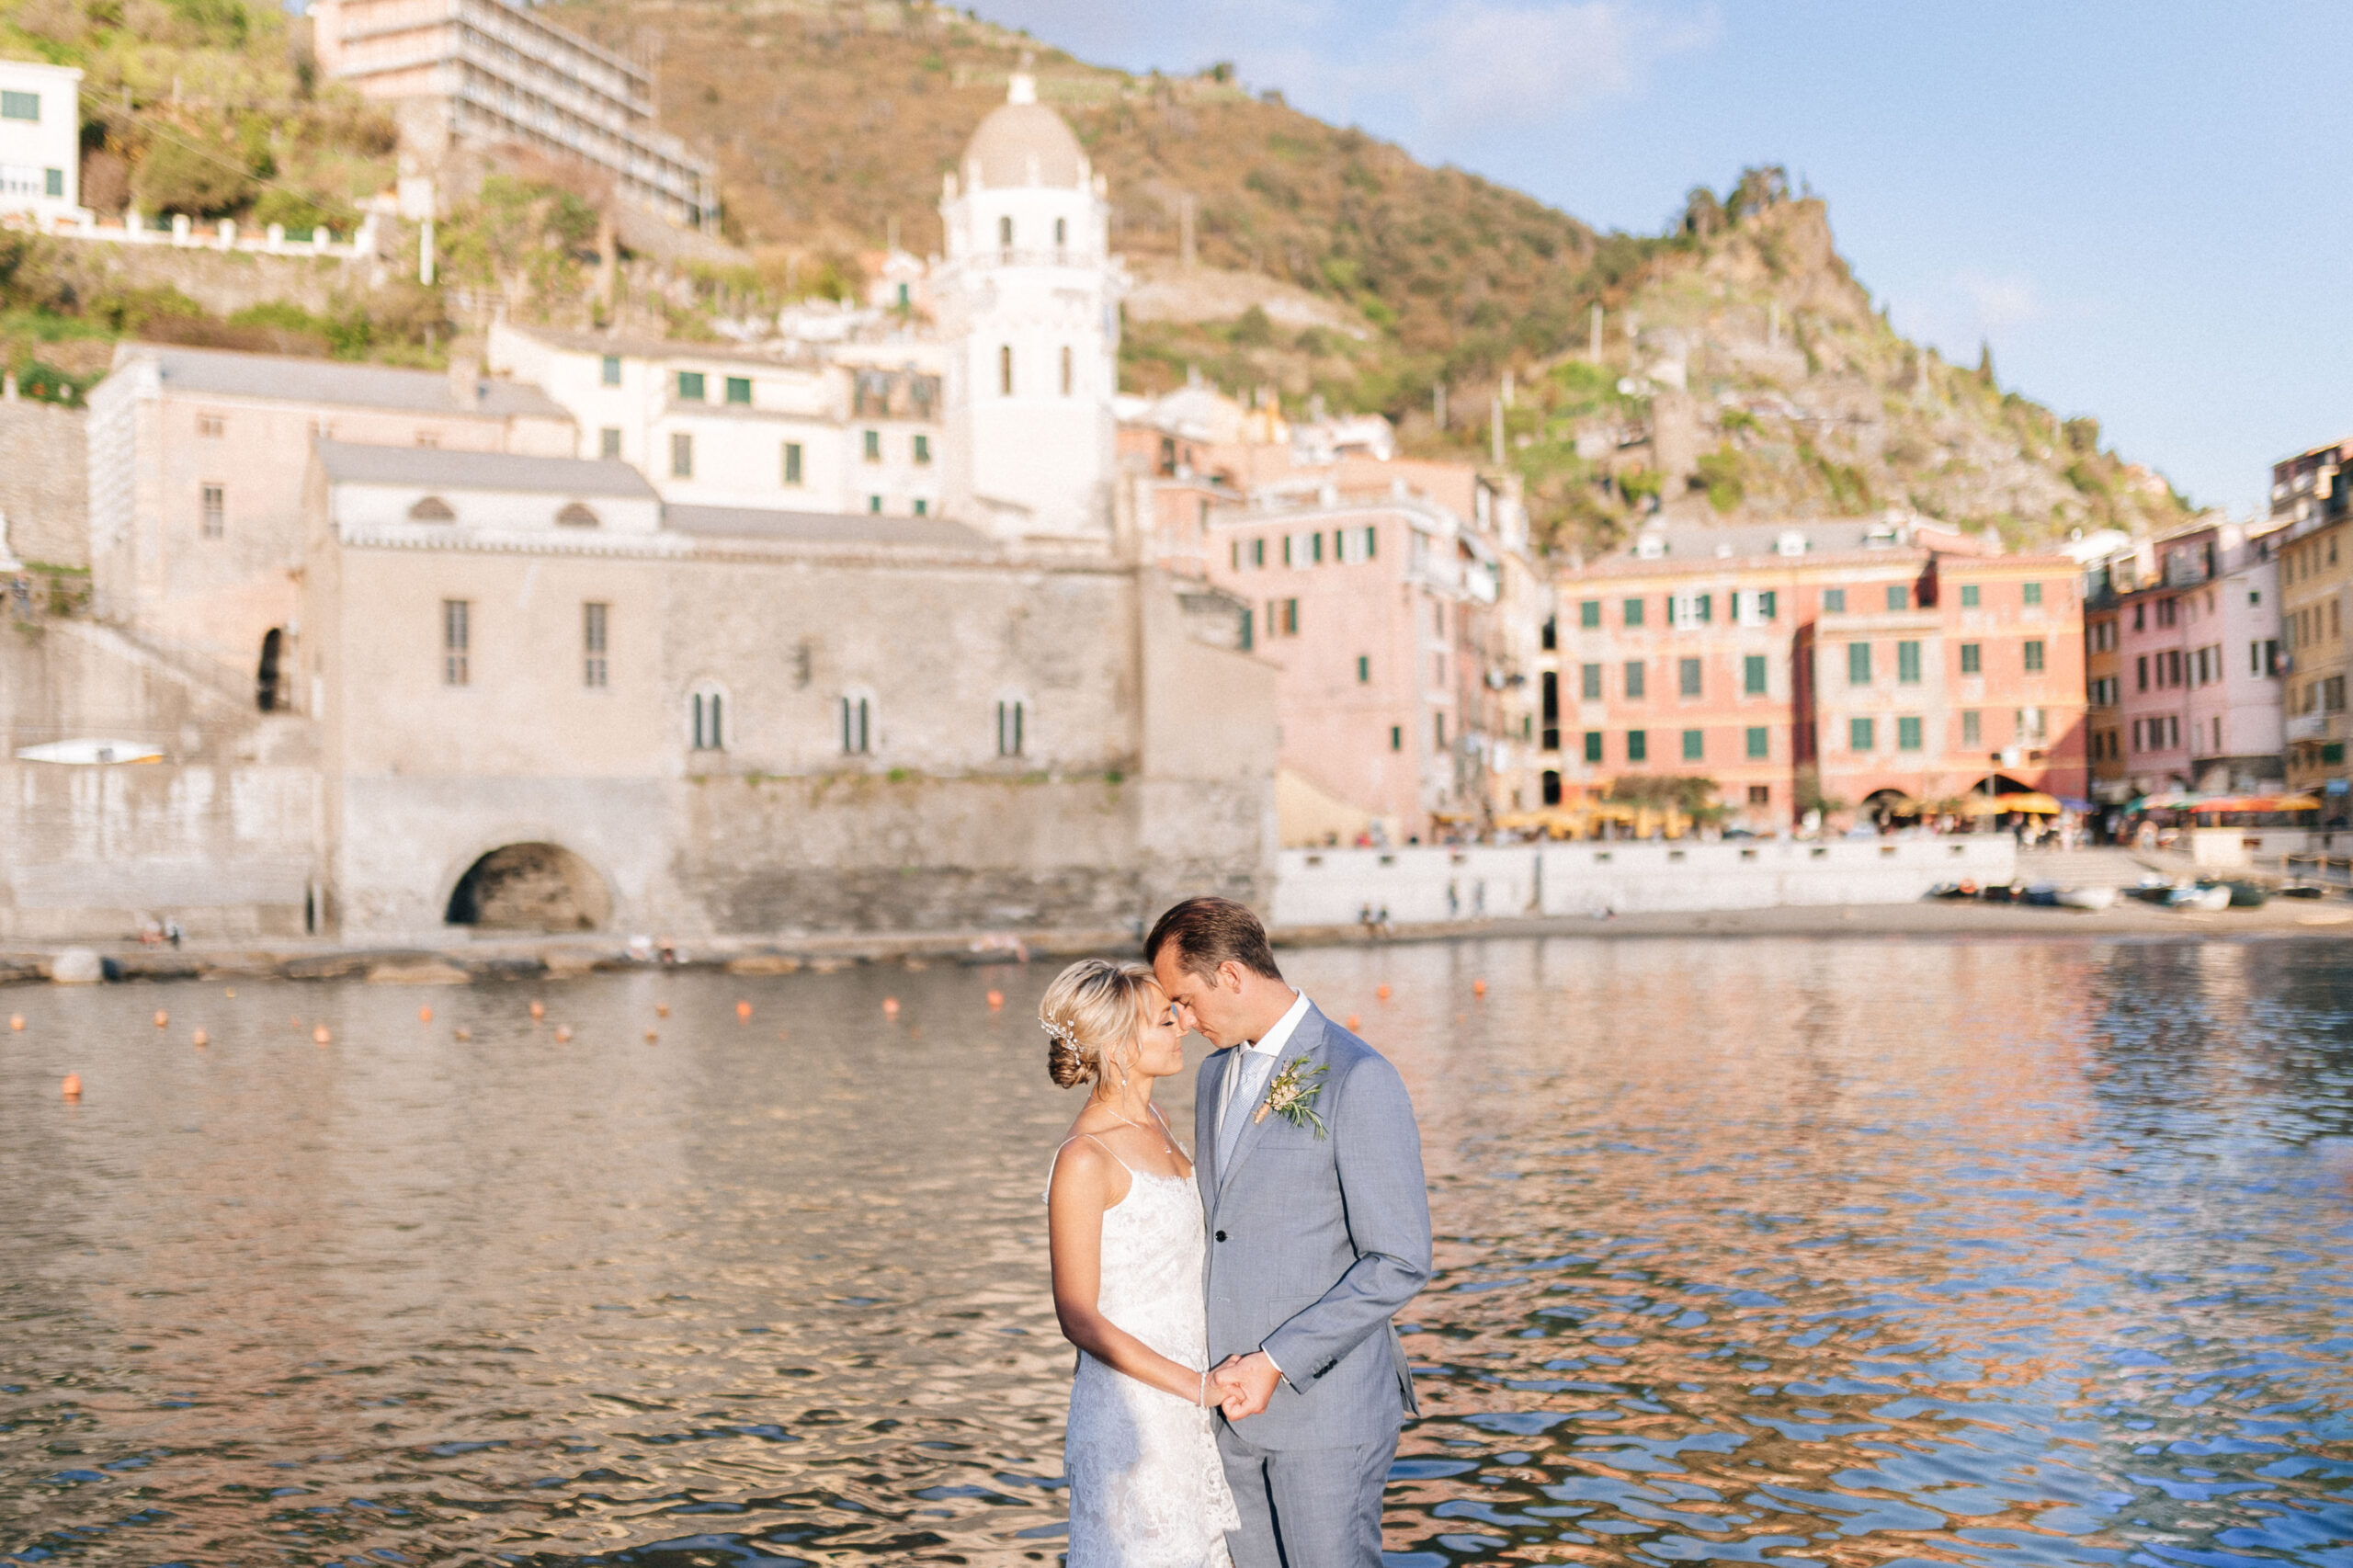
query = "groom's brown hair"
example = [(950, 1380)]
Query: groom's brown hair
[(1210, 931)]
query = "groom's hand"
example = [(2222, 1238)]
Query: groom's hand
[(1247, 1382)]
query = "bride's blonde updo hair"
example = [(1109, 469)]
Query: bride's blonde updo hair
[(1090, 1011)]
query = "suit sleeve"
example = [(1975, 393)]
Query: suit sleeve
[(1378, 1150)]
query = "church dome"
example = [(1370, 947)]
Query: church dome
[(1024, 142)]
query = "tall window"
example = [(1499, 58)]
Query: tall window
[(592, 619), (1907, 734), (923, 449), (690, 386), (1859, 663), (1694, 746), (1638, 745), (1633, 612), (792, 462), (1005, 233), (1833, 601), (1593, 745), (1687, 678), (1752, 675), (612, 370), (1907, 663), (2034, 649), (1859, 735), (1588, 684), (608, 442), (1636, 670), (874, 445), (216, 511), (1061, 232), (1973, 658), (2032, 593), (457, 637), (1972, 729), (1068, 380), (1552, 787), (857, 738), (707, 718), (1364, 669), (1968, 596), (1898, 596), (1760, 742), (1008, 727), (1004, 369), (682, 455)]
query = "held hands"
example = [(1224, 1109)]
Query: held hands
[(1242, 1385)]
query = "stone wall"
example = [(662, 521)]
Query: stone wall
[(223, 282), (44, 483)]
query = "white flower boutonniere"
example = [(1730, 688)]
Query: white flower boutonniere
[(1292, 1096)]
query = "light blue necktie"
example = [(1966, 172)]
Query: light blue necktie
[(1250, 1077)]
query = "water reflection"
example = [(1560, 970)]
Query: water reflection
[(1809, 1252)]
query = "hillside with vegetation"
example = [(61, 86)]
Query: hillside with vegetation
[(1743, 372)]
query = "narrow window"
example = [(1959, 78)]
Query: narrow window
[(1005, 371), (1898, 596), (268, 696), (612, 371), (2140, 672), (1752, 675), (1593, 745), (52, 182), (457, 635), (1633, 612), (1694, 746), (1687, 678), (1968, 596), (1437, 729), (1364, 669), (1833, 601), (1859, 663), (1004, 233), (592, 644), (1291, 623), (1760, 744), (923, 449), (1907, 663), (1589, 616), (1371, 539), (1907, 734), (1396, 737), (682, 455), (216, 511), (792, 462), (608, 443), (874, 445), (1767, 603), (690, 386), (1061, 232), (1259, 553), (1972, 730), (1316, 547), (739, 390), (923, 508), (1973, 658), (2032, 593), (1859, 735), (1008, 729), (705, 713), (2033, 654), (856, 740), (1589, 683), (1069, 379), (874, 506), (1552, 784), (1636, 670), (1638, 745)]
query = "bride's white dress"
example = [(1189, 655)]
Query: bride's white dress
[(1147, 1489)]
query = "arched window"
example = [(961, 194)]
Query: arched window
[(1552, 787), (268, 686), (432, 509), (1005, 371), (1067, 381), (575, 515), (858, 723), (707, 718), (1004, 233)]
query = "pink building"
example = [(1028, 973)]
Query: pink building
[(2198, 635)]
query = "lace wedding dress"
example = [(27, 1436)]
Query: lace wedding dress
[(1147, 1489)]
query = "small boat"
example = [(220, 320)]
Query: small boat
[(2152, 893), (2001, 892), (2198, 901), (2244, 894), (2300, 891), (2088, 898)]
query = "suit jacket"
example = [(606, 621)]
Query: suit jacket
[(1315, 1242)]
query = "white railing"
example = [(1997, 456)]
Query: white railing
[(184, 233)]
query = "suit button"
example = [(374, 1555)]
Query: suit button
[(1221, 1236)]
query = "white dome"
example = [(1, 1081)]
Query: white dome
[(1024, 142)]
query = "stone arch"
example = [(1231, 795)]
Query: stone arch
[(533, 886), (269, 676)]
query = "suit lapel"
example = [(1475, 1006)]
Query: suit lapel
[(1307, 1041), (1209, 1088)]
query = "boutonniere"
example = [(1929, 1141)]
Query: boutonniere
[(1292, 1096)]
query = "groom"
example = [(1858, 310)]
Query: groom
[(1310, 1171)]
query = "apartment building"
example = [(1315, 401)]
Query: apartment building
[(494, 70), (40, 141), (1877, 664), (2199, 656), (2103, 689), (2315, 571)]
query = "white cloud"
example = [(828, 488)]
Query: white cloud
[(1998, 301)]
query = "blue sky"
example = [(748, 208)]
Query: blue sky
[(2138, 205)]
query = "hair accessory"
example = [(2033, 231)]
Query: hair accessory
[(1063, 1034)]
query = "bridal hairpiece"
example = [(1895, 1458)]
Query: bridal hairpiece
[(1063, 1034)]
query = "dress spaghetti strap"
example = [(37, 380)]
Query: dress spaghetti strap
[(1048, 1196)]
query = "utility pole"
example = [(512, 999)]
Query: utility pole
[(1438, 402), (424, 253), (1594, 351), (1496, 431)]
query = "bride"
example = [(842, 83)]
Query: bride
[(1147, 1489)]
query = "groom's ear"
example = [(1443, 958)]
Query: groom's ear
[(1231, 977)]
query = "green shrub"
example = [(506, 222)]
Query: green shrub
[(179, 174)]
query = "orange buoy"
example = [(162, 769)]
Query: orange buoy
[(319, 1036), (996, 1001), (162, 1017), (425, 1015), (890, 1007), (743, 1009), (1382, 990), (563, 1033), (539, 1011), (1355, 1023), (465, 1034), (200, 1040), (784, 1034), (1478, 988), (230, 990), (16, 1020), (661, 1009), (71, 1087), (650, 1037)]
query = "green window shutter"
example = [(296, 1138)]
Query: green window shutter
[(20, 106), (1688, 677), (1833, 601), (1907, 734), (1759, 740), (1765, 604), (53, 181), (1638, 745), (1633, 612), (1635, 682), (1707, 607), (612, 370), (1898, 596), (1968, 596), (690, 389), (1907, 663), (2033, 593), (1972, 729), (1589, 683), (1589, 615), (1694, 746), (1593, 745), (1973, 658), (739, 389), (1859, 735), (1859, 663), (2033, 651), (1752, 675)]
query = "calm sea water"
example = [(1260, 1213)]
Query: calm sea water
[(1843, 1253)]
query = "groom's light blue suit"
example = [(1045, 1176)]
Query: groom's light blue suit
[(1315, 1242)]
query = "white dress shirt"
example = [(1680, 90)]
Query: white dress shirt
[(1255, 1061)]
